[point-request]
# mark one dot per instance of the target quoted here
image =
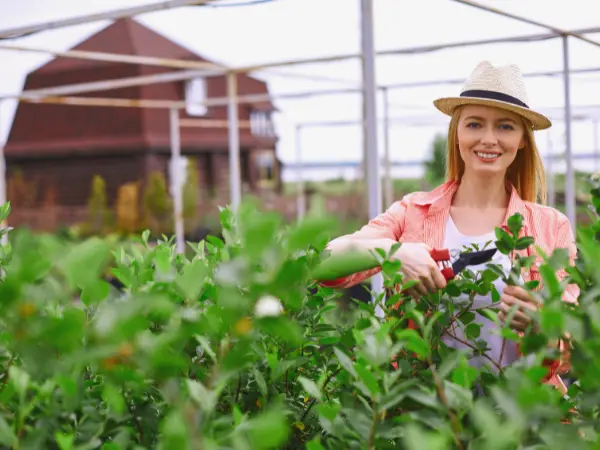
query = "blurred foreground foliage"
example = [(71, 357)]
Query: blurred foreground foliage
[(236, 347)]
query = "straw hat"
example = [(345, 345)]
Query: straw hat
[(501, 87)]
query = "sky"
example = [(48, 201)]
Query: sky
[(296, 29)]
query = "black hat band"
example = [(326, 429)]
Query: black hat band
[(493, 95)]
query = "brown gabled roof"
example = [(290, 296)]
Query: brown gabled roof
[(125, 37)]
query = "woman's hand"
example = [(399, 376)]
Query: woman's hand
[(417, 264), (516, 295)]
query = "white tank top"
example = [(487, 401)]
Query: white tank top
[(455, 241)]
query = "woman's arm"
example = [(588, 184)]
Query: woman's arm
[(381, 232)]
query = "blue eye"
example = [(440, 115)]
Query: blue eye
[(506, 127), (473, 125)]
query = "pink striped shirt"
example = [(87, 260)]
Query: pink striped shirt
[(422, 216)]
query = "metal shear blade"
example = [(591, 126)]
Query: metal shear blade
[(472, 259)]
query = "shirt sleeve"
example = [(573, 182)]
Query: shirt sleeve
[(565, 238), (387, 225)]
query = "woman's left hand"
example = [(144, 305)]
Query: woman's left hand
[(516, 295)]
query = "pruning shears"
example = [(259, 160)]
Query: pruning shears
[(342, 265), (464, 260)]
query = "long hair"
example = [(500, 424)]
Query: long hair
[(526, 173)]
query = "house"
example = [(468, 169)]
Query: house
[(57, 149)]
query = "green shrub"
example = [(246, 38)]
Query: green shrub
[(99, 215), (157, 204), (198, 353)]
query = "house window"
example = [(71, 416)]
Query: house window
[(195, 92), (261, 123)]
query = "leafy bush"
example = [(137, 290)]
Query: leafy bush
[(99, 214), (157, 204), (238, 348), (127, 208)]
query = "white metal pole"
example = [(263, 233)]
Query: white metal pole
[(389, 191), (3, 199), (596, 145), (176, 185), (300, 199), (569, 178), (550, 171), (235, 185), (370, 124)]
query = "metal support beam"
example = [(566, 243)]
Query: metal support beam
[(3, 199), (108, 15), (555, 30), (596, 131), (300, 198), (370, 125), (235, 184), (569, 176), (550, 171), (389, 189), (119, 58), (176, 181)]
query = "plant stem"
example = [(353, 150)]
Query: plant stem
[(372, 430), (5, 379), (453, 419), (472, 347), (314, 400)]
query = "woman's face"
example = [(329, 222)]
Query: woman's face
[(489, 139)]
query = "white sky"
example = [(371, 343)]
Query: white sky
[(291, 29)]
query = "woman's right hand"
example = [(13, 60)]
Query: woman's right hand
[(417, 264)]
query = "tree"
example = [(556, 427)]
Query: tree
[(157, 204), (99, 214), (435, 167), (191, 194), (127, 208)]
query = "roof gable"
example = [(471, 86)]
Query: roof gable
[(126, 37)]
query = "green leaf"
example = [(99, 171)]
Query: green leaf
[(191, 279), (367, 378), (64, 441), (85, 262), (449, 363), (303, 235), (473, 330), (260, 381), (94, 292), (310, 387), (314, 445), (19, 379), (202, 396), (113, 397), (524, 242), (413, 342), (416, 438), (550, 280), (515, 223), (467, 317), (7, 436), (343, 264), (503, 236), (268, 431), (174, 432), (345, 361), (464, 375)]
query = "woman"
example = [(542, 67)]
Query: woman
[(494, 170)]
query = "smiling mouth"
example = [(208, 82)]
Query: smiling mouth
[(487, 155)]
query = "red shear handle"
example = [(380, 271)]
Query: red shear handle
[(443, 255), (440, 254)]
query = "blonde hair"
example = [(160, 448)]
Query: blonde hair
[(526, 173)]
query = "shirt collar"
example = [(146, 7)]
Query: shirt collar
[(441, 198)]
